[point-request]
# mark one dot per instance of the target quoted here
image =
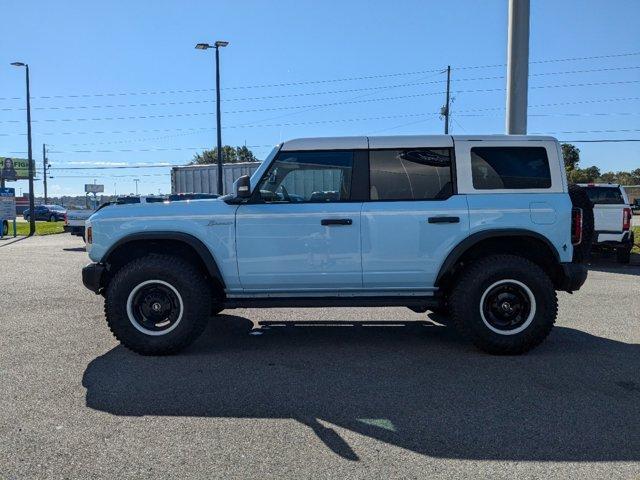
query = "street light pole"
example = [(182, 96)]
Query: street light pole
[(217, 45), (218, 120), (32, 220)]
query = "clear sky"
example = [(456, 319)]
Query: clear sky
[(120, 83)]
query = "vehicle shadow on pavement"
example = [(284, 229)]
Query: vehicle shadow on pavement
[(601, 263), (415, 386)]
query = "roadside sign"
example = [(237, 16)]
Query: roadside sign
[(12, 169), (93, 188), (7, 203)]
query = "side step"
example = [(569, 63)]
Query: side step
[(418, 304)]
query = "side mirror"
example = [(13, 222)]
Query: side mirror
[(243, 187)]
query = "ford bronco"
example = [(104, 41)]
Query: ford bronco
[(480, 227)]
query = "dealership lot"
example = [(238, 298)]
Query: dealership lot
[(272, 394)]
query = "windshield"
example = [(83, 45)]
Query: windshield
[(55, 207)]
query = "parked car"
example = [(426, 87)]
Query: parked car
[(482, 227), (635, 206), (50, 213), (612, 217)]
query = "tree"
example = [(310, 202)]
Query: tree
[(571, 156), (245, 155), (584, 175)]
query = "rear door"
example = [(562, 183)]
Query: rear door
[(413, 216), (301, 231)]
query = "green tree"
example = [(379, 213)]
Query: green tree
[(584, 175), (229, 155), (571, 156), (243, 154)]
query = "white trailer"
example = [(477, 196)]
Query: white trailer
[(204, 178)]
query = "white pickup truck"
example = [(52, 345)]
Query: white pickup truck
[(612, 219), (74, 221)]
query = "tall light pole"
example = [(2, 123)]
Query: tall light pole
[(217, 45), (32, 219), (517, 67), (136, 180)]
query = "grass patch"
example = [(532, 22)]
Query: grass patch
[(636, 247), (42, 228)]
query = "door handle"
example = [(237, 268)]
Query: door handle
[(443, 219), (336, 221)]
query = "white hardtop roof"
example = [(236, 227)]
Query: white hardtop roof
[(399, 141)]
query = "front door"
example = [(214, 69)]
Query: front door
[(300, 233), (413, 218)]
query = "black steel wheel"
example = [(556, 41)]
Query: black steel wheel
[(505, 304), (158, 304)]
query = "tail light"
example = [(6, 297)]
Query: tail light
[(89, 235), (576, 226), (626, 218)]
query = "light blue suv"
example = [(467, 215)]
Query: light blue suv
[(481, 228)]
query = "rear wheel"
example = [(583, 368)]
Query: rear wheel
[(505, 304), (158, 304), (52, 218), (5, 228)]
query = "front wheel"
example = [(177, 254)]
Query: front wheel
[(52, 218), (505, 304), (158, 304)]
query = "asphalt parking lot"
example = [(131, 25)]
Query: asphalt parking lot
[(268, 394)]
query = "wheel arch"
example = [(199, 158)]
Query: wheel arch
[(527, 243), (163, 242)]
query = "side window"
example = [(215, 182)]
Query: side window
[(412, 174), (296, 177), (510, 168)]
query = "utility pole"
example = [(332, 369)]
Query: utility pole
[(446, 107), (45, 170), (517, 67)]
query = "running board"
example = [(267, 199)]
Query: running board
[(419, 304)]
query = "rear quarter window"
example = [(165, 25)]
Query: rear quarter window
[(498, 168)]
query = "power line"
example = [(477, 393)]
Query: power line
[(323, 81), (195, 114), (198, 102)]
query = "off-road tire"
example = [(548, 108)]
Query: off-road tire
[(184, 277), (580, 199), (623, 254), (465, 303)]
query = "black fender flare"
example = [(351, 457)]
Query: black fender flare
[(198, 246), (477, 237)]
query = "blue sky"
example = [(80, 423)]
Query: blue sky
[(123, 75)]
